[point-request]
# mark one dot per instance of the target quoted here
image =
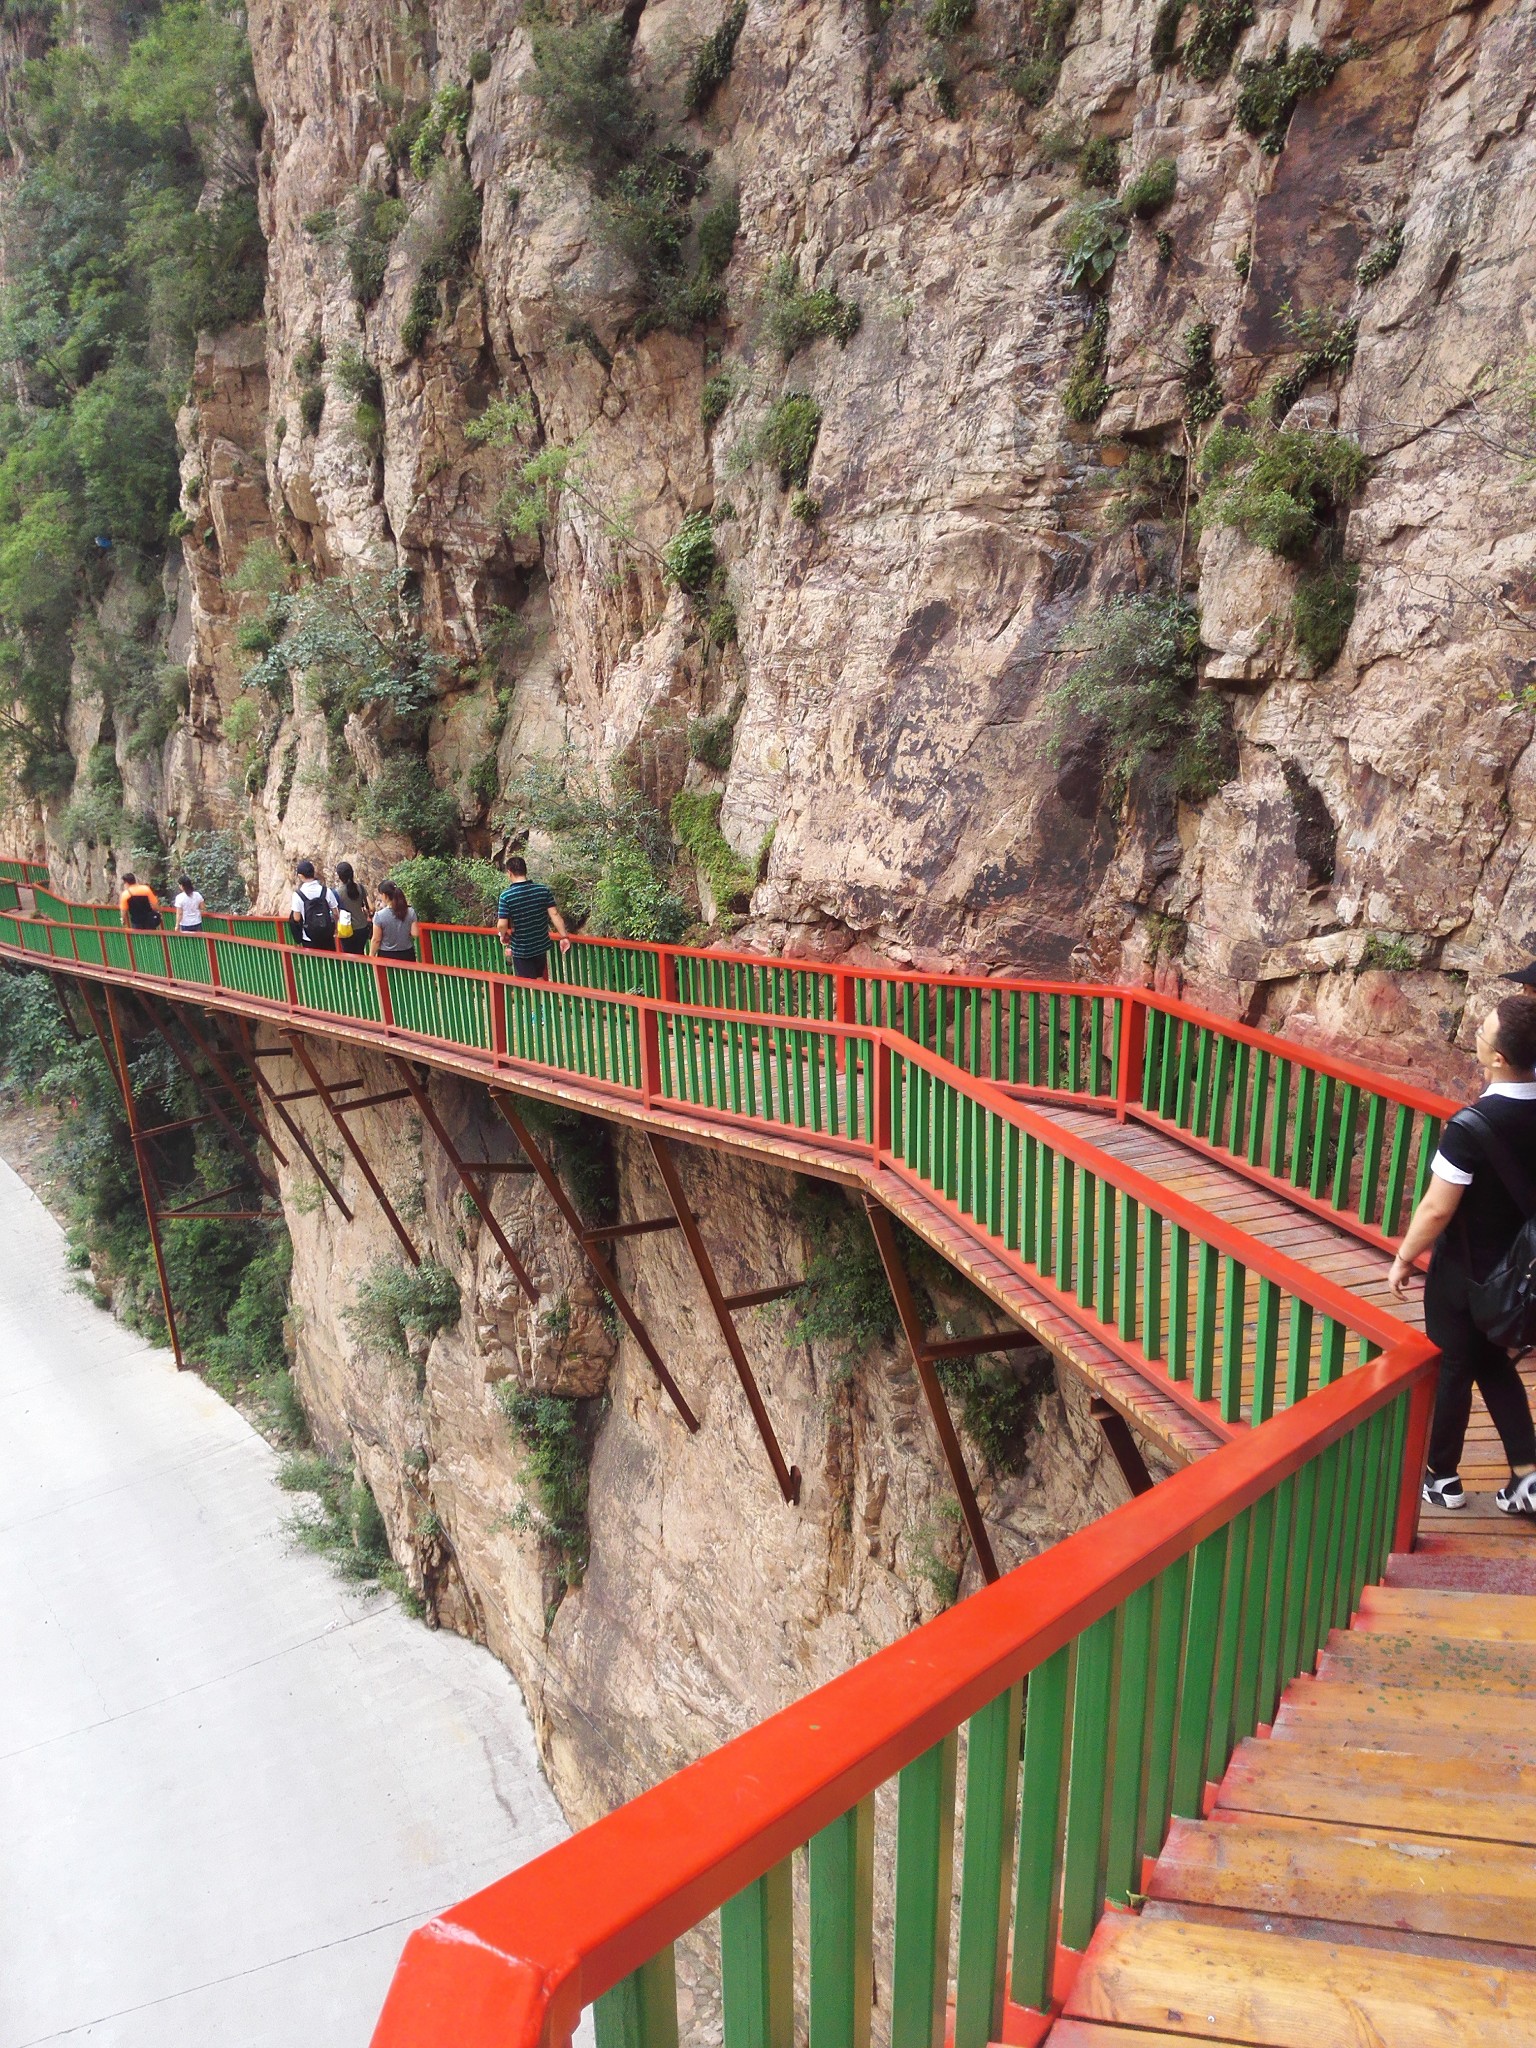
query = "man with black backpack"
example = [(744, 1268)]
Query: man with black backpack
[(1479, 1213), (312, 913)]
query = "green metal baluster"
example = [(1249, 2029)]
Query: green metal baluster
[(1029, 1226), (1261, 1530), (1171, 1590), (1126, 1314), (757, 1964), (1220, 1080), (1045, 1222), (1298, 1371), (1326, 1465), (1066, 1171), (1303, 1525), (1429, 1138), (1255, 1147), (641, 2010), (1104, 1305), (1032, 1051), (1266, 1345), (1035, 1919), (842, 1874), (1306, 1084), (1178, 1304), (1370, 1164), (1203, 1380), (1122, 1863), (1153, 1059), (1082, 1870), (1228, 1643), (1322, 1131), (1282, 1536), (1013, 1036), (1237, 1116), (1086, 1211), (1197, 1118), (1016, 1193), (925, 1855), (1397, 1172), (1371, 1447), (1075, 1044), (1152, 1286), (1234, 1323), (1206, 1576), (1344, 1149), (1342, 1575), (1331, 1362), (1279, 1120), (986, 1873), (1053, 1041), (1095, 1045)]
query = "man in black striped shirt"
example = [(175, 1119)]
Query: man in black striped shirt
[(524, 913)]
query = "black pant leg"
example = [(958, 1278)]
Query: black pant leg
[(1468, 1358), (1503, 1391), (1453, 1407)]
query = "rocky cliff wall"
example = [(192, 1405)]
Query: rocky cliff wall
[(999, 455)]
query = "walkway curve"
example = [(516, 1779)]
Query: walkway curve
[(229, 1784)]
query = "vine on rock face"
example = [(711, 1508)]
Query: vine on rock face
[(695, 818), (711, 66)]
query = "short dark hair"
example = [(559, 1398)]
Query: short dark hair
[(307, 870), (1515, 1035), (130, 881), (516, 865)]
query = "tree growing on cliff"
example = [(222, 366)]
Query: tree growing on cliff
[(1136, 684)]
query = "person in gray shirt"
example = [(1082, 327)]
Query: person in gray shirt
[(394, 925)]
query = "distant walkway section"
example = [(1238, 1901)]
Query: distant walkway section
[(229, 1785)]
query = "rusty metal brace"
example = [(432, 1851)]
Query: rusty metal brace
[(469, 1171), (254, 1056), (923, 1356), (213, 1054), (117, 1065), (587, 1239), (787, 1475), (1122, 1446), (215, 1107), (301, 1054)]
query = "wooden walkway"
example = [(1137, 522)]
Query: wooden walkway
[(1366, 1873)]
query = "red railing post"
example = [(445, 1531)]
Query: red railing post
[(386, 1007), (1421, 1408), (497, 993), (290, 980), (424, 935), (213, 962), (1132, 1051), (666, 970), (650, 1054)]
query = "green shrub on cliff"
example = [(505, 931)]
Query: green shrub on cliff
[(1136, 686), (394, 1303), (1280, 488)]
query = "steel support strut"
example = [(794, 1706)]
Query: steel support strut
[(469, 1171), (216, 1108), (211, 1052), (587, 1239), (787, 1475), (923, 1355), (301, 1054), (254, 1057), (117, 1062), (1123, 1447)]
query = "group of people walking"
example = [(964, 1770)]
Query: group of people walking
[(342, 917)]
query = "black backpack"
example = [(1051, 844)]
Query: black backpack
[(1504, 1305), (317, 918), (142, 914)]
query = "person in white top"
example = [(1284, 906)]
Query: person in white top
[(313, 911), (189, 906)]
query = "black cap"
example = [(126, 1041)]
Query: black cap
[(1526, 976)]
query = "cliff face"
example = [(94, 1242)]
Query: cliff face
[(1361, 867)]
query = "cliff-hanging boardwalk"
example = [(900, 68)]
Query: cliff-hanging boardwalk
[(1196, 1218)]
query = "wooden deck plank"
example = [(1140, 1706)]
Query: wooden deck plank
[(1482, 1798), (1432, 1663), (1389, 1878), (1175, 1977), (1481, 1617)]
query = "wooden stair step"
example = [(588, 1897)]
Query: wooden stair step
[(1084, 2034), (1429, 1663), (1193, 1981), (1484, 1798), (1349, 1717), (1386, 1878), (1482, 1617)]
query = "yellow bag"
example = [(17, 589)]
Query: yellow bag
[(344, 923)]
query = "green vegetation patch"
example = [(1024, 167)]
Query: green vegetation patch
[(1280, 487), (1322, 612), (713, 59), (1087, 389), (394, 1303), (793, 317), (554, 1434), (695, 816), (1137, 685), (1271, 89), (1151, 189), (789, 438)]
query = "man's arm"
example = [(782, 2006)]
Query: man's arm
[(561, 927), (1442, 1198)]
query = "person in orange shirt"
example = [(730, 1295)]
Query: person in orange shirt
[(140, 905)]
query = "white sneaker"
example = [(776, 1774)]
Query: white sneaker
[(1517, 1496), (1445, 1493)]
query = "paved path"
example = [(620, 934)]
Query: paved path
[(229, 1785)]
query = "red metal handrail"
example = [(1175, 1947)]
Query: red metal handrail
[(515, 1965)]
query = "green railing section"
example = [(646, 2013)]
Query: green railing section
[(583, 1034), (1205, 1317), (449, 945), (1042, 1039), (792, 1076), (1362, 1152), (339, 982), (456, 1007), (771, 988), (620, 970), (1071, 1780)]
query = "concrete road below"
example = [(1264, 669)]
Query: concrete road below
[(229, 1784)]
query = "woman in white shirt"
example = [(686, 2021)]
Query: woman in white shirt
[(189, 906)]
